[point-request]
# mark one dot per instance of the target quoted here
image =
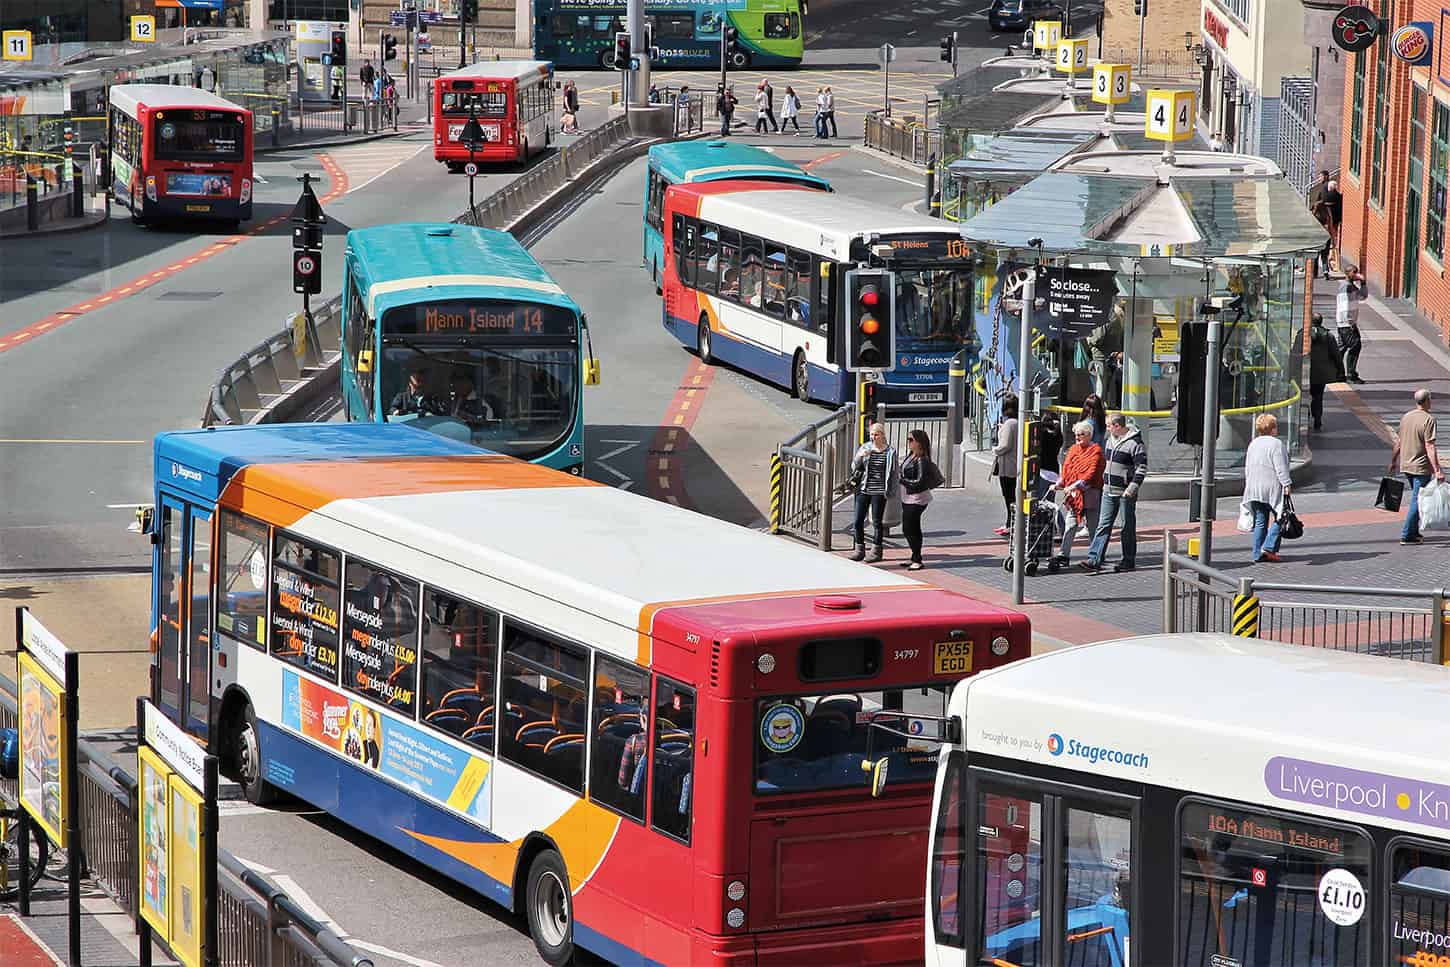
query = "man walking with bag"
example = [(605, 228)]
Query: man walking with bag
[(1415, 454)]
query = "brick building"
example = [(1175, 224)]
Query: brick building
[(1395, 145), (1164, 28)]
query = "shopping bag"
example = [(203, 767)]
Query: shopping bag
[(1291, 528), (1435, 506), (1391, 492), (1246, 519)]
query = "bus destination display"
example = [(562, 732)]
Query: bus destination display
[(480, 318)]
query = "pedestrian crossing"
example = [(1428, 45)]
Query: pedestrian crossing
[(367, 162), (858, 88)]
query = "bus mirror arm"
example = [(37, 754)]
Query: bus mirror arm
[(949, 725)]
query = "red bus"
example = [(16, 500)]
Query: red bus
[(513, 101), (180, 151)]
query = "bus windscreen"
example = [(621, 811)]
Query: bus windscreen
[(199, 136)]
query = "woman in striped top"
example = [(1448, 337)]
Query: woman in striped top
[(875, 472)]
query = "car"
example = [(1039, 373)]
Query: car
[(1019, 14)]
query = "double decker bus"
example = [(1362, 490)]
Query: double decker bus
[(638, 726), (755, 279), (513, 101), (1179, 799), (580, 33), (179, 152), (685, 162), (459, 330)]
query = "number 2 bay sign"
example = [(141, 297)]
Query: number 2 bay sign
[(1078, 300)]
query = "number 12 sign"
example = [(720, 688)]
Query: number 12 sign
[(1170, 115), (16, 45)]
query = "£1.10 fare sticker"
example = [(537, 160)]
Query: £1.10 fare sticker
[(1341, 897)]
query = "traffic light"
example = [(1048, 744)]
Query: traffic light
[(468, 11), (390, 47), (621, 51), (946, 49), (870, 309), (1140, 8), (339, 47), (732, 40)]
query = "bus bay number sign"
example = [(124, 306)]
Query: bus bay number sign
[(952, 658)]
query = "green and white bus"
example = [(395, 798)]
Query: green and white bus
[(580, 33)]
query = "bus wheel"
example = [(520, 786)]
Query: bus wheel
[(739, 59), (247, 757), (702, 342), (550, 909), (606, 58), (800, 378)]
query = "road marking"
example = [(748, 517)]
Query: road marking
[(823, 159), (379, 949), (904, 181), (235, 807), (128, 443), (390, 167), (621, 446)]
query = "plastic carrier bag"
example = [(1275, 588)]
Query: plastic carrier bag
[(1435, 506)]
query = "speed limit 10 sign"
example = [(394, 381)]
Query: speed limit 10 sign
[(470, 169), (1112, 83), (1072, 55), (1170, 115)]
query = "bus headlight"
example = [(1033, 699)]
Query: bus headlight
[(735, 918), (151, 187), (246, 195)]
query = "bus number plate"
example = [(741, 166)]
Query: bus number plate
[(952, 658), (923, 397), (198, 208)]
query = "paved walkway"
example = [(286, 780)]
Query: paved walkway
[(1347, 542)]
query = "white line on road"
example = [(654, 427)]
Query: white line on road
[(904, 181), (379, 949), (395, 164), (239, 807), (621, 446)]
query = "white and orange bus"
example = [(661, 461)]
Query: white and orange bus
[(641, 727), (513, 101)]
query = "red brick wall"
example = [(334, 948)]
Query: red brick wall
[(1373, 237)]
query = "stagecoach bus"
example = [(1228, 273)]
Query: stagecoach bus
[(513, 101), (580, 33), (1196, 800), (684, 162), (642, 728), (179, 152)]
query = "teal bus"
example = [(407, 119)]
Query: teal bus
[(682, 162), (458, 330), (580, 33)]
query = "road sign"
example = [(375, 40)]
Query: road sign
[(1078, 300), (1072, 55), (470, 169), (1046, 34), (1112, 83), (143, 30), (888, 53), (17, 45), (399, 18), (1169, 115), (307, 272)]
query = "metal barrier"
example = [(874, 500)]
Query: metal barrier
[(1405, 623), (808, 473), (902, 138), (259, 924), (898, 420)]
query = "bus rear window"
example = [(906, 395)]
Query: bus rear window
[(487, 104), (822, 661), (808, 743), (199, 136)]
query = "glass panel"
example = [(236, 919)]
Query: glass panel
[(198, 667), (750, 274), (1009, 880), (949, 853), (812, 742), (305, 605), (1251, 890), (216, 136), (562, 25), (729, 264), (1435, 203), (380, 636), (1098, 850), (484, 104), (1419, 905), (933, 307), (169, 611), (773, 295), (621, 736), (674, 759), (1356, 116), (460, 650), (777, 26), (242, 579), (798, 288), (545, 707), (707, 258)]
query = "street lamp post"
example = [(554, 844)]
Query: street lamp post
[(472, 136)]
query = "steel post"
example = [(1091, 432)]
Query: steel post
[(956, 413), (1437, 627), (1170, 603), (1024, 381), (1207, 499), (828, 488)]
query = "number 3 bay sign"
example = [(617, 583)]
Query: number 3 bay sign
[(1170, 115), (1112, 83)]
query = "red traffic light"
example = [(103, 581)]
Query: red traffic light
[(870, 297), (870, 326)]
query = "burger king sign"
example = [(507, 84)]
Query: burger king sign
[(1412, 43)]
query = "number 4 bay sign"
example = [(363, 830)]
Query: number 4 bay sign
[(176, 861), (1170, 115)]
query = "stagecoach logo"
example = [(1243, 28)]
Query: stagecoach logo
[(1095, 754), (1054, 744), (782, 728), (185, 473)]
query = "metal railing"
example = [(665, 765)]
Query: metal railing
[(1405, 623), (259, 924), (903, 138), (284, 365), (899, 419), (1173, 63), (808, 472)]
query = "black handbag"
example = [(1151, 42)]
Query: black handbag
[(1291, 528), (1391, 492)]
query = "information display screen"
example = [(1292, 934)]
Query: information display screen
[(480, 318)]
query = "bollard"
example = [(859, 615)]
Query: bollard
[(78, 195), (1246, 611), (276, 127), (776, 473), (32, 204)]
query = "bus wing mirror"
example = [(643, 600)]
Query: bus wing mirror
[(591, 372), (365, 361), (878, 771), (145, 521)]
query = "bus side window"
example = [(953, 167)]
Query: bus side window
[(798, 288), (773, 290), (673, 763), (707, 258), (620, 737), (380, 636), (825, 280), (751, 271), (241, 579), (729, 264), (1009, 887), (1419, 899), (545, 706), (677, 242), (306, 582), (459, 653), (686, 264)]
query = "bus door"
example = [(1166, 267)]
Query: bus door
[(183, 608)]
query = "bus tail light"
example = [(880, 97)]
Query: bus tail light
[(151, 187), (246, 195), (735, 903)]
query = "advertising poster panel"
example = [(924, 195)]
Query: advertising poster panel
[(43, 772), (187, 881), (155, 840)]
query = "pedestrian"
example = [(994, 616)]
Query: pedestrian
[(1324, 367), (654, 94), (1096, 413), (1266, 486), (919, 477), (1080, 486), (725, 107), (820, 112), (761, 109), (830, 113), (682, 109), (1125, 465), (1049, 448), (366, 76), (1335, 200), (1417, 458), (874, 476), (336, 74), (1006, 458), (1346, 321), (770, 104), (790, 107), (1105, 354)]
